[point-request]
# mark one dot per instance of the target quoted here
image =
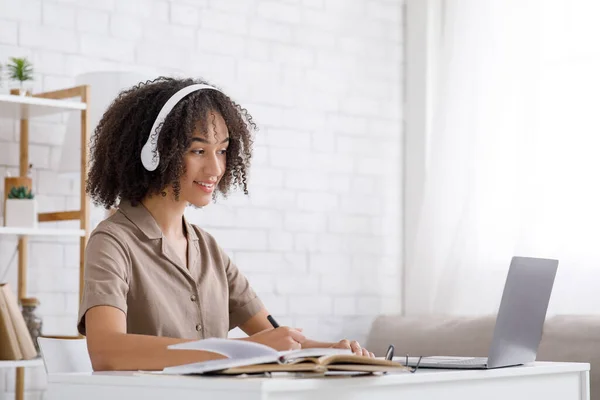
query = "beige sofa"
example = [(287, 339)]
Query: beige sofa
[(565, 338)]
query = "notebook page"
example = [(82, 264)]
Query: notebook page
[(315, 352), (234, 349)]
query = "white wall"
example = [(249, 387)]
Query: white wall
[(319, 237)]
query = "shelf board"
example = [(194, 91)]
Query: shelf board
[(22, 107), (36, 362), (40, 231)]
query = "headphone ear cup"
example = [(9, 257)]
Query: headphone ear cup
[(148, 160)]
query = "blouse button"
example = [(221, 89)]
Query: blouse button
[(198, 327), (193, 297)]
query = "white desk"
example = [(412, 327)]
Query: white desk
[(564, 381)]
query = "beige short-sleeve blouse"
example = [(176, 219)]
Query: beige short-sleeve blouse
[(129, 265)]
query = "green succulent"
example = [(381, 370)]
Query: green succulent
[(20, 192), (20, 69)]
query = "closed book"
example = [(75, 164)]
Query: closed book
[(22, 333), (9, 345)]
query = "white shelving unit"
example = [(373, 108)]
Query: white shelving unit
[(40, 231), (36, 362), (24, 108)]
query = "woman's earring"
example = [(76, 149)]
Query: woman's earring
[(164, 193)]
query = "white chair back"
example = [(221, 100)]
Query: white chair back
[(65, 355)]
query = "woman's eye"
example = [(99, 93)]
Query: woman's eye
[(201, 152)]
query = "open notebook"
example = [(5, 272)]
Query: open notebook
[(249, 357)]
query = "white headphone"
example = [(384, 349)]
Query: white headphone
[(149, 160)]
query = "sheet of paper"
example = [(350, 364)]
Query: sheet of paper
[(216, 365), (316, 352), (229, 348)]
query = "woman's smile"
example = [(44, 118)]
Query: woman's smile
[(207, 187)]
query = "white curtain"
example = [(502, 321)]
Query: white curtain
[(513, 160)]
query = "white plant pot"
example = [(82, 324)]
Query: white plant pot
[(21, 213)]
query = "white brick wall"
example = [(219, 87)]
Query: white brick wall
[(319, 235)]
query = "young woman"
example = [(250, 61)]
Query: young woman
[(151, 278)]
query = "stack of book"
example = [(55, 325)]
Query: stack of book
[(245, 357), (15, 340)]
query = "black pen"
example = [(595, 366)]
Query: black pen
[(272, 321), (389, 355)]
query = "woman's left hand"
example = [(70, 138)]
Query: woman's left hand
[(354, 346)]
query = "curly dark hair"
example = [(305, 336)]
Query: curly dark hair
[(116, 171)]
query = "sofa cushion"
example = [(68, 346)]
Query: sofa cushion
[(431, 335), (571, 338)]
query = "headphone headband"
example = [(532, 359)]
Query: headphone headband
[(149, 155)]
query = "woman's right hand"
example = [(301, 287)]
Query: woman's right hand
[(281, 339)]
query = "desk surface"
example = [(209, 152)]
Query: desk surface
[(283, 383)]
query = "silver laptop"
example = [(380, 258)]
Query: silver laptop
[(520, 319)]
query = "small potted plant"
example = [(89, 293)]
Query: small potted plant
[(21, 70), (21, 208)]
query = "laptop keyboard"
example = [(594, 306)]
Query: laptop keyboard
[(467, 361)]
